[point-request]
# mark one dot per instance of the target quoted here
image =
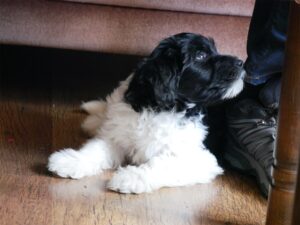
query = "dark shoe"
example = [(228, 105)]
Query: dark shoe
[(251, 141), (269, 95)]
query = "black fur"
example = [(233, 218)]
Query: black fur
[(183, 69)]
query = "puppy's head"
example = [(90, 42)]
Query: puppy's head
[(183, 71)]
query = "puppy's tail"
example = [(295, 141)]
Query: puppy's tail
[(97, 112)]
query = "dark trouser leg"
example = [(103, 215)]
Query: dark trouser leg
[(266, 40)]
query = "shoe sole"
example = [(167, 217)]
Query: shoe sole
[(246, 164)]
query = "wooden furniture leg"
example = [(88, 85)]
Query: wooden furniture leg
[(280, 208), (296, 214)]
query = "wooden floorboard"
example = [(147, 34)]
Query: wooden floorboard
[(40, 91)]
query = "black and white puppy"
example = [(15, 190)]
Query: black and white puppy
[(150, 128)]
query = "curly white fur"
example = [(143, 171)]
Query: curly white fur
[(163, 149)]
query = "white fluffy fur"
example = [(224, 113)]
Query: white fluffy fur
[(164, 149), (235, 88)]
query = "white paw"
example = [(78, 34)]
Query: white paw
[(130, 180), (208, 167), (66, 163)]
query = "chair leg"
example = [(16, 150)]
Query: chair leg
[(296, 215), (280, 208)]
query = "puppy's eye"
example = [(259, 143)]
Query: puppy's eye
[(201, 56)]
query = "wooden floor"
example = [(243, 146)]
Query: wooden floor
[(40, 91)]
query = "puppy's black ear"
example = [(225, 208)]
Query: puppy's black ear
[(155, 80), (212, 41)]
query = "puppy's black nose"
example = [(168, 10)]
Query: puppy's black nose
[(239, 63)]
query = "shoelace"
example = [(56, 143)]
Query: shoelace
[(258, 136)]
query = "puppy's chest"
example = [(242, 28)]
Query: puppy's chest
[(150, 132)]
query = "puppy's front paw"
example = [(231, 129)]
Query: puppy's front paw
[(66, 163), (130, 180)]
